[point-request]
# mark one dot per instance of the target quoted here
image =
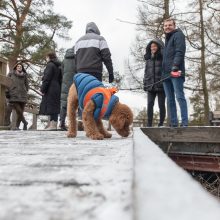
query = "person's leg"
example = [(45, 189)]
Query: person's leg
[(63, 118), (19, 112), (180, 96), (8, 112), (169, 91), (150, 107), (22, 105), (161, 103)]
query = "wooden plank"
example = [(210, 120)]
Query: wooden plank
[(212, 149), (197, 163), (32, 110), (209, 134), (216, 114), (5, 81)]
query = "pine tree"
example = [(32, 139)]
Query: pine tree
[(29, 28)]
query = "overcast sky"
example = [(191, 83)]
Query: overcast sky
[(104, 13)]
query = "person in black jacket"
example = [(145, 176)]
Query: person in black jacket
[(174, 62), (91, 50), (68, 71), (51, 90), (152, 76)]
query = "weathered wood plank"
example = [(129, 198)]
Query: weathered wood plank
[(189, 134), (191, 148), (5, 81)]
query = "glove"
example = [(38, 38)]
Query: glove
[(175, 68), (111, 78)]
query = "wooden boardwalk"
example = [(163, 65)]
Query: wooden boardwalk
[(44, 175)]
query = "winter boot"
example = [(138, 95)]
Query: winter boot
[(25, 125), (52, 126), (63, 126)]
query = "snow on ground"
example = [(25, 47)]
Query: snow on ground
[(164, 191), (44, 175)]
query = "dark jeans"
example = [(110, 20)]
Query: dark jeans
[(174, 87), (151, 95), (62, 115)]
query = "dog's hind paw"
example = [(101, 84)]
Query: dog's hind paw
[(71, 135)]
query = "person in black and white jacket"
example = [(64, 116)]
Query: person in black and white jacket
[(91, 51)]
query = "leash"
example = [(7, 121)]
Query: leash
[(173, 74)]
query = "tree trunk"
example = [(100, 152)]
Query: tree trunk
[(166, 9), (203, 64)]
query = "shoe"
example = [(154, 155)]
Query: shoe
[(52, 126), (25, 126), (63, 128), (160, 125), (183, 126)]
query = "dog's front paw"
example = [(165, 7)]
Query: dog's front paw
[(71, 135), (107, 135), (97, 136)]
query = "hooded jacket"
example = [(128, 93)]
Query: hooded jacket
[(174, 52), (51, 88), (68, 71), (91, 50), (19, 88), (85, 83), (153, 67)]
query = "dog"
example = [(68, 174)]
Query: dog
[(96, 102)]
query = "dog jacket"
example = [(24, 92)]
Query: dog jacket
[(90, 88)]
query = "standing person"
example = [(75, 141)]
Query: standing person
[(17, 95), (68, 71), (51, 89), (152, 76), (91, 51), (174, 62)]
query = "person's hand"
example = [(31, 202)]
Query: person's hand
[(111, 78), (175, 68)]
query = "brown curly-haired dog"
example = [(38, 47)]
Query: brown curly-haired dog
[(121, 118)]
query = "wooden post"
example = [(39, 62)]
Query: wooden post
[(3, 84)]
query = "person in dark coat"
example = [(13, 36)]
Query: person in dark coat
[(51, 90), (174, 61), (91, 50), (17, 95), (68, 71), (152, 75)]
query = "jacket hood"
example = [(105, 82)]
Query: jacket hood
[(69, 53), (56, 62), (160, 45), (92, 28), (19, 63)]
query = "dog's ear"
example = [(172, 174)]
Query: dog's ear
[(122, 120)]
